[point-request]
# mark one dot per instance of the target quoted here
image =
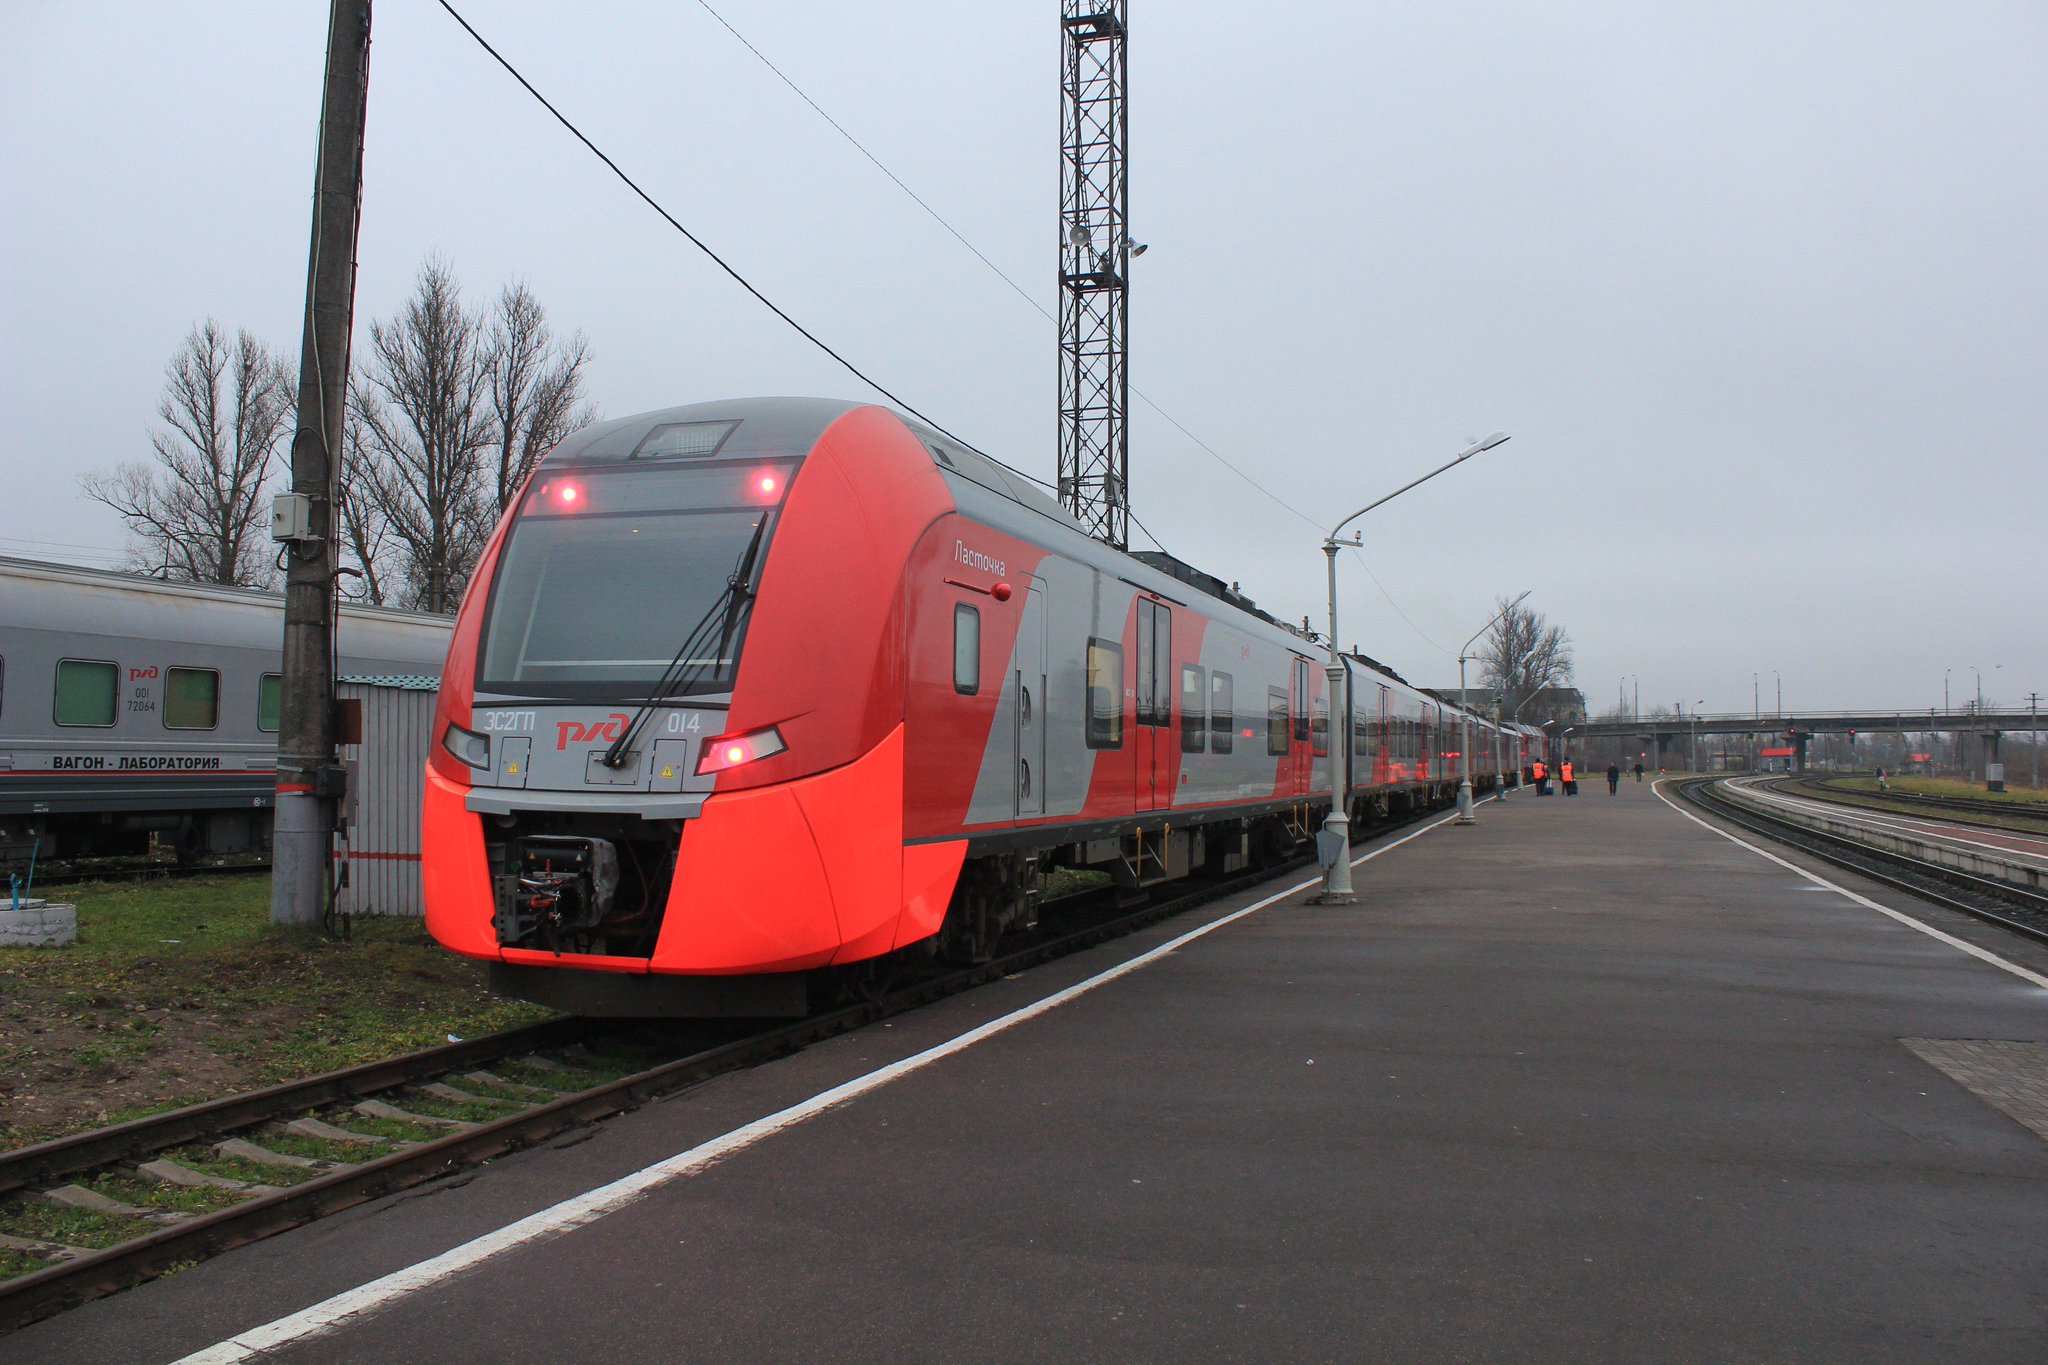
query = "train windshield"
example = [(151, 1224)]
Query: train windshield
[(613, 582)]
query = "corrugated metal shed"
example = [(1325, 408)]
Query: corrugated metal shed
[(387, 773)]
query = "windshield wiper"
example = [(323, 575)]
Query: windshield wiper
[(725, 609)]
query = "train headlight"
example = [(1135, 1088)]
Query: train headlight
[(469, 748), (733, 750)]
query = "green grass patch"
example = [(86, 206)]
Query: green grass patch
[(208, 1162), (391, 1130), (14, 1264), (181, 991), (319, 1149), (155, 1194), (477, 1111), (42, 1221)]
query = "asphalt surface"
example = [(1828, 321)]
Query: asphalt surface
[(1585, 1083)]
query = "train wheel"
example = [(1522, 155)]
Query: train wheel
[(993, 894)]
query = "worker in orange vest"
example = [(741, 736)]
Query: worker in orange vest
[(1542, 776), (1571, 783)]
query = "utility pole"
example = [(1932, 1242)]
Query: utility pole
[(1095, 253), (303, 519), (2034, 734)]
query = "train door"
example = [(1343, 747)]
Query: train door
[(1303, 761), (1029, 706), (1156, 750)]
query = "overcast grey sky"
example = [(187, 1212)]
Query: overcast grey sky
[(1759, 289)]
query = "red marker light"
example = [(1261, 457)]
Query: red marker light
[(1001, 592), (569, 494), (767, 484), (721, 754)]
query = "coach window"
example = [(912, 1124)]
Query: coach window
[(1301, 698), (1193, 723), (966, 649), (1105, 695), (1276, 720), (1320, 729), (191, 699), (85, 691), (1222, 715), (269, 702)]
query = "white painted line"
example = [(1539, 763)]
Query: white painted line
[(1972, 949), (351, 1305)]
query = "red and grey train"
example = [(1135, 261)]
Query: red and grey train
[(748, 689)]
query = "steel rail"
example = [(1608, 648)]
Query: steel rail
[(55, 1288), (2014, 810), (1929, 881)]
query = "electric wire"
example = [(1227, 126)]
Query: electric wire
[(692, 237), (1024, 294)]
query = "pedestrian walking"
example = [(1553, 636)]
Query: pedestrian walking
[(1614, 778), (1639, 772), (1542, 776), (1571, 782)]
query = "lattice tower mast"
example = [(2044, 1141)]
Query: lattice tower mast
[(1095, 251)]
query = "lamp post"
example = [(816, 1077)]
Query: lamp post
[(1336, 837), (1778, 709), (1696, 733), (1465, 717)]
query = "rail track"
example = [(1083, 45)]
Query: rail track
[(2027, 813), (2010, 907), (275, 1159)]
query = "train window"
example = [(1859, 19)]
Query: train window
[(269, 702), (966, 649), (191, 698), (682, 440), (1319, 729), (86, 691), (3, 683), (615, 582), (1105, 695), (1276, 720), (1301, 698), (1194, 725), (1222, 714)]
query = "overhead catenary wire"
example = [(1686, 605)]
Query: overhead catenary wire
[(1025, 295), (699, 243)]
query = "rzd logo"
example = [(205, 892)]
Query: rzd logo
[(569, 732)]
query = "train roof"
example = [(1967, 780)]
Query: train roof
[(69, 597), (744, 427)]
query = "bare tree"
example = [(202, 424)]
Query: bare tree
[(425, 414), (197, 513), (536, 387), (365, 534), (1524, 654)]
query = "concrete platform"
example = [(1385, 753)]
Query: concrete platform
[(1586, 1082)]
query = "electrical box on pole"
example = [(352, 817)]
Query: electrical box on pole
[(303, 519), (1095, 253)]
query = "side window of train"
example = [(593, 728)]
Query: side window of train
[(86, 691), (966, 649), (1276, 720), (1301, 699), (1194, 724), (1222, 714), (3, 684), (1105, 695), (191, 698), (1319, 729), (269, 702)]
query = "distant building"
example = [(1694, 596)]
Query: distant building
[(1551, 705)]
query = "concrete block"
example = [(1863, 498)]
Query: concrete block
[(38, 924)]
